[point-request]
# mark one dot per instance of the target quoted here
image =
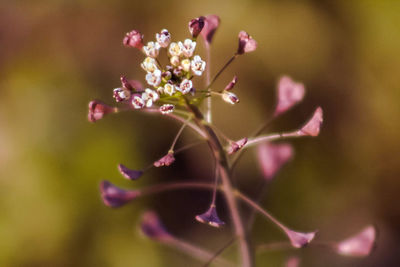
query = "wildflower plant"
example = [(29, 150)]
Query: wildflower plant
[(173, 90)]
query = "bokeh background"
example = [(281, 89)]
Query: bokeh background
[(55, 56)]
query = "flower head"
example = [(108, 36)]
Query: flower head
[(246, 43), (198, 65), (163, 38), (187, 47), (154, 78), (133, 39), (185, 86), (195, 26), (151, 49)]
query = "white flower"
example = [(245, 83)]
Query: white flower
[(185, 64), (185, 86), (198, 65), (151, 49), (149, 96), (167, 108), (187, 47), (174, 61), (121, 94), (169, 89), (137, 102), (149, 64), (154, 78), (174, 50), (230, 97), (163, 38)]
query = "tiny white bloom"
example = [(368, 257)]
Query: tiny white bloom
[(230, 97), (167, 108), (149, 96), (152, 49), (198, 65), (121, 94), (185, 86), (149, 64), (174, 50), (175, 60), (137, 102), (169, 89), (163, 38), (187, 47), (154, 78), (185, 64)]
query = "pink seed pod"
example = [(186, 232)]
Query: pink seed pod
[(246, 43)]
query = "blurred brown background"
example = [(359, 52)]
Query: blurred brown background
[(55, 56)]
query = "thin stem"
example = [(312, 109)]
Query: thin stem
[(222, 70), (208, 77), (186, 147), (179, 134), (219, 251), (214, 196), (252, 214)]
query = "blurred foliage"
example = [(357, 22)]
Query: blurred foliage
[(55, 56)]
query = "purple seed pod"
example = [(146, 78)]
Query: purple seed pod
[(235, 146), (358, 245), (272, 157), (165, 161), (313, 126), (133, 39), (114, 196), (299, 239), (246, 43), (153, 228), (210, 217), (289, 94), (211, 23), (129, 173), (195, 26), (97, 110), (231, 84)]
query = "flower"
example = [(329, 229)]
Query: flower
[(289, 94), (97, 110), (151, 49), (185, 86), (133, 39), (246, 43), (167, 108), (187, 47), (174, 49), (149, 64), (196, 25), (198, 65), (210, 217), (185, 64), (154, 78), (230, 97), (211, 24), (149, 97), (121, 94), (169, 89), (138, 102), (163, 38), (231, 84), (175, 61)]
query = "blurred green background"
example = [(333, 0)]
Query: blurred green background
[(55, 56)]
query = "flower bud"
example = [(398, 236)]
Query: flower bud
[(231, 84), (230, 97), (166, 75), (289, 94), (211, 23), (133, 39), (163, 38), (210, 217), (246, 43), (195, 26), (129, 173), (97, 110), (165, 161), (313, 126), (359, 245), (115, 197), (167, 108), (121, 94)]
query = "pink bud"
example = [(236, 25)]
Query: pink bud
[(195, 26), (359, 245), (235, 146), (289, 94), (97, 110), (165, 161), (129, 173), (272, 157), (167, 108), (115, 197), (313, 126), (299, 239), (210, 217), (246, 43), (153, 228), (230, 97), (231, 84), (133, 39), (211, 24)]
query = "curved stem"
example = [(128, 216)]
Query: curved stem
[(222, 70), (179, 134)]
